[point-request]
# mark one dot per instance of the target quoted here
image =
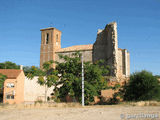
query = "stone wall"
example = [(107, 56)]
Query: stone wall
[(123, 70), (106, 47), (120, 63), (87, 55), (50, 42), (128, 64)]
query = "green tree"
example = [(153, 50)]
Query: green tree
[(66, 78), (142, 86), (9, 65), (2, 79), (28, 70), (70, 79)]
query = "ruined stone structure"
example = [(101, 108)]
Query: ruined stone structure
[(105, 47)]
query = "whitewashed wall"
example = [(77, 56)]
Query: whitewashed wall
[(33, 91)]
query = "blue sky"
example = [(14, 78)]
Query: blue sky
[(138, 27)]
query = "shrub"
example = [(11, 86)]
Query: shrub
[(142, 86)]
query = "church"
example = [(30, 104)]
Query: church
[(105, 48)]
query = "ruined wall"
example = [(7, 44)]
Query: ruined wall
[(87, 55), (106, 47), (123, 63), (128, 64), (120, 63)]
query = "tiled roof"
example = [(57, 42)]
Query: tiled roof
[(76, 48), (120, 49), (10, 73)]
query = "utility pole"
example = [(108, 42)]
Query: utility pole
[(82, 81)]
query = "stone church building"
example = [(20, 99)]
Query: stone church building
[(105, 47)]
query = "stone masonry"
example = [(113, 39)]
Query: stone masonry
[(105, 48)]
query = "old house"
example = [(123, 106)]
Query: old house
[(20, 89), (13, 86)]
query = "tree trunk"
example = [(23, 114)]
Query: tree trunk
[(46, 89)]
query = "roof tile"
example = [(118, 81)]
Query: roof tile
[(76, 48), (10, 73)]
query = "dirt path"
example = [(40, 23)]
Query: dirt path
[(86, 113)]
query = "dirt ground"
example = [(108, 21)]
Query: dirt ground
[(116, 112)]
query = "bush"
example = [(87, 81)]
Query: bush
[(142, 86)]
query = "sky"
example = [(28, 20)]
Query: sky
[(138, 27)]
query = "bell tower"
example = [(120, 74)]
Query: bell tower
[(50, 42)]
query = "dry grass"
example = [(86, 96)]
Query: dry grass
[(141, 103), (38, 105), (76, 105), (73, 112)]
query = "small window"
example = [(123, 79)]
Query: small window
[(10, 97), (57, 38), (10, 85), (47, 38)]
